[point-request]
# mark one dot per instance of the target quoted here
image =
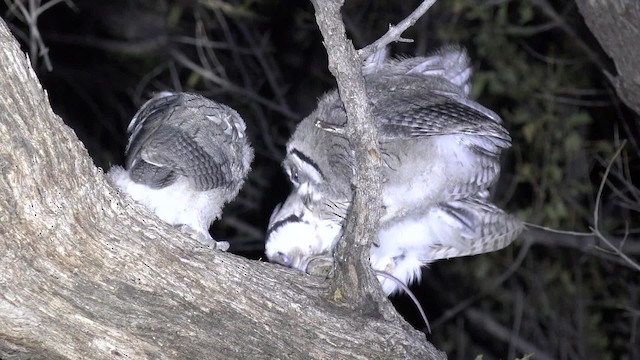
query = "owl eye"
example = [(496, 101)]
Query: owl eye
[(295, 177)]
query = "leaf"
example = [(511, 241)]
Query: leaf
[(573, 143), (579, 119), (529, 131)]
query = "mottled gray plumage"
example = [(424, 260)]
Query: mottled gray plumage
[(186, 157), (440, 153)]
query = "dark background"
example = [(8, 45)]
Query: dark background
[(536, 64)]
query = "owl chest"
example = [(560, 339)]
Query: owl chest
[(413, 178)]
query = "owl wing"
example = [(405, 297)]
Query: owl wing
[(436, 113), (166, 141), (470, 226)]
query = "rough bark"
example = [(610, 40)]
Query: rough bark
[(354, 281), (616, 25), (87, 274), (354, 278)]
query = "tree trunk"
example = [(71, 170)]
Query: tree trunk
[(86, 273), (616, 25)]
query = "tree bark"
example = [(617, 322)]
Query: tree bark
[(354, 278), (86, 273), (616, 25)]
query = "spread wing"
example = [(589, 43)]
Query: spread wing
[(478, 225), (477, 137), (408, 107), (435, 113)]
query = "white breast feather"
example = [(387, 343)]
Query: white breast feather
[(177, 204)]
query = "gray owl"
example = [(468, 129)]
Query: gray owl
[(186, 157), (441, 154)]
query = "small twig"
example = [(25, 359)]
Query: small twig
[(517, 323), (409, 293), (138, 91), (494, 285), (183, 60), (564, 232), (270, 71), (596, 214), (51, 4), (213, 55), (175, 78), (595, 233), (259, 113), (395, 32), (565, 100), (37, 48), (577, 240), (497, 330), (557, 18)]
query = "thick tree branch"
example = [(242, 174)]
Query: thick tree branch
[(616, 25), (87, 274)]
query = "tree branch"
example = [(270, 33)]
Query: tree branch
[(490, 326), (354, 280), (587, 242), (88, 274), (395, 32), (616, 25)]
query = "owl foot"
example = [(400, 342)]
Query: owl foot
[(204, 238)]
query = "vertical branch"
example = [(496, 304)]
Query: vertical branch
[(354, 280)]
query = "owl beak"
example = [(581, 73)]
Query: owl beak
[(282, 259)]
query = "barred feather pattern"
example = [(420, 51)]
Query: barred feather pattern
[(440, 151), (186, 157)]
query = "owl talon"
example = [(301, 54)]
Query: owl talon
[(204, 238), (221, 245)]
